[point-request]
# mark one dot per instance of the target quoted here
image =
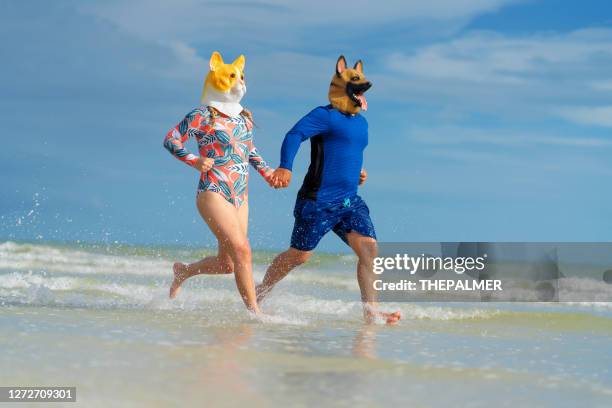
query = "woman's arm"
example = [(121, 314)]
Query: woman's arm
[(259, 163), (195, 122)]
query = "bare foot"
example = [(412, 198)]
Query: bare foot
[(180, 274), (371, 316)]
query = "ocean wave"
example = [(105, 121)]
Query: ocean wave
[(46, 275), (19, 257), (38, 290)]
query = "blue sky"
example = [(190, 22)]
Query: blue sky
[(489, 120)]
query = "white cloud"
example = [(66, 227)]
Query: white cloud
[(605, 85), (187, 25), (184, 18), (598, 115), (189, 62), (488, 57), (456, 135), (527, 76)]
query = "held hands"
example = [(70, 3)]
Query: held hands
[(203, 164), (280, 178), (363, 176)]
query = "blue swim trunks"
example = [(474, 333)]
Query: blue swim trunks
[(315, 219)]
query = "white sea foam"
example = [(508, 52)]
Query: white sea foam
[(73, 277), (310, 276), (418, 312), (19, 257), (26, 280)]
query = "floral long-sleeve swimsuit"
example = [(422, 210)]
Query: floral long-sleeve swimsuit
[(227, 140)]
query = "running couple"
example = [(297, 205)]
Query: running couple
[(327, 200)]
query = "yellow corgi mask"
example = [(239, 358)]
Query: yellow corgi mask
[(347, 88), (224, 86)]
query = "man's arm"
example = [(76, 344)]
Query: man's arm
[(314, 123)]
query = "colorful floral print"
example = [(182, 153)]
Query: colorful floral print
[(227, 140)]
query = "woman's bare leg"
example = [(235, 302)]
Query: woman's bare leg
[(221, 263), (229, 226)]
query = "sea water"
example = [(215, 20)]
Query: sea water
[(99, 318)]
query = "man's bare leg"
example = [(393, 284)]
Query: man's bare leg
[(366, 250), (279, 268)]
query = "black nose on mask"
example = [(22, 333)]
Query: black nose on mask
[(357, 89)]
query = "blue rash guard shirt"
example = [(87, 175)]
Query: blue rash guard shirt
[(337, 142)]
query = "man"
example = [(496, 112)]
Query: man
[(328, 198)]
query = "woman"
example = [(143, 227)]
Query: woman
[(223, 130)]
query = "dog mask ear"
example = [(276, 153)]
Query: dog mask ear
[(340, 65), (215, 61), (359, 66)]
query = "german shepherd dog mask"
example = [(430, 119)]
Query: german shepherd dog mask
[(347, 88)]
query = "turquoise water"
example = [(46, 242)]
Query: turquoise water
[(99, 318)]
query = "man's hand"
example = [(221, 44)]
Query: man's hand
[(204, 164), (280, 178), (363, 176)]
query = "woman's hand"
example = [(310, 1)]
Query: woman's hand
[(268, 177), (203, 164)]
